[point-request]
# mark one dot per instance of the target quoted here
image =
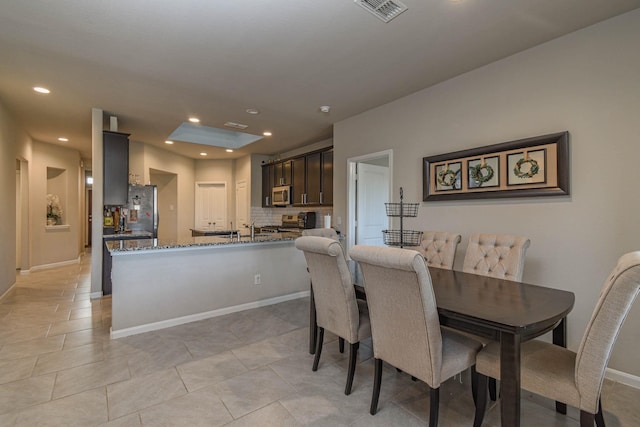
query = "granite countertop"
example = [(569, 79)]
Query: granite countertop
[(128, 235), (146, 245)]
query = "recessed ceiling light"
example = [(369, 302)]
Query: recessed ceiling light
[(168, 142), (325, 108), (267, 133), (229, 150), (194, 120), (203, 154), (63, 139), (252, 111), (41, 89)]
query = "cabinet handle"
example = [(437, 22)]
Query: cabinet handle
[(321, 197), (266, 201)]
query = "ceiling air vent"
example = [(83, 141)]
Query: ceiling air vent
[(385, 10), (236, 125)]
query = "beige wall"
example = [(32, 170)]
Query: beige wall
[(586, 83), (50, 246), (155, 159), (13, 144)]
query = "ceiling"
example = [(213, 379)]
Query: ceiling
[(154, 64)]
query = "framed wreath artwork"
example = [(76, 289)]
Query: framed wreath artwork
[(537, 166), (527, 167), (448, 176), (484, 172)]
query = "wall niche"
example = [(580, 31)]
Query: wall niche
[(56, 196)]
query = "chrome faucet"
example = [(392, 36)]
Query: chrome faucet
[(253, 229)]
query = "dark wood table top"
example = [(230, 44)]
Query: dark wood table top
[(499, 305), (487, 306)]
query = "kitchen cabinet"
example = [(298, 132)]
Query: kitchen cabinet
[(282, 173), (298, 173), (326, 194), (310, 177), (267, 185), (116, 168), (307, 180), (314, 180)]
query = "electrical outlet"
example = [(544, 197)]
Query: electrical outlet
[(256, 279)]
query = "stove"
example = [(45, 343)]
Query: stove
[(292, 223)]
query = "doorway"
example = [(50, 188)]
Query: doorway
[(211, 206), (23, 256), (242, 205), (18, 217), (167, 185), (369, 179)]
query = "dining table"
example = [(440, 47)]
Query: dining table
[(502, 310)]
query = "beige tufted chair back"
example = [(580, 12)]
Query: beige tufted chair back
[(401, 301), (496, 255), (321, 232), (334, 294), (617, 296), (439, 248)]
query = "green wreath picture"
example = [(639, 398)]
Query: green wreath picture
[(533, 168), (447, 177), (481, 173)]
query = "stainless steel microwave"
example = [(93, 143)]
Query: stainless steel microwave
[(281, 196)]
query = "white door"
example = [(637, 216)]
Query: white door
[(371, 194), (242, 204), (18, 221), (211, 206)]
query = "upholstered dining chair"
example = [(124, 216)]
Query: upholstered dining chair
[(405, 329), (496, 255), (337, 309), (574, 378), (439, 248), (331, 234), (321, 232)]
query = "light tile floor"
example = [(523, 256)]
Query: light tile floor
[(58, 367)]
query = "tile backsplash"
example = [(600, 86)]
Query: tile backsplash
[(273, 216)]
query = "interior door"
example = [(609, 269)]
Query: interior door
[(372, 193), (211, 206), (242, 204), (18, 217)]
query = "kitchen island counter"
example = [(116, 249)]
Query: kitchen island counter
[(158, 284), (144, 245)]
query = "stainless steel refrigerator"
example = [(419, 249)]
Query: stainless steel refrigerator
[(142, 208)]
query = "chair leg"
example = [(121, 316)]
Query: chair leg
[(319, 340), (474, 384), (434, 398), (493, 393), (377, 380), (341, 344), (587, 419), (481, 400), (353, 353), (600, 414)]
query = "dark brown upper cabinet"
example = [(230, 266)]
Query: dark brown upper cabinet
[(116, 168)]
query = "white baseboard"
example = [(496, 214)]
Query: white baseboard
[(95, 295), (53, 265), (205, 315), (623, 378)]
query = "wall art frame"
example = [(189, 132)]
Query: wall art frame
[(530, 167)]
